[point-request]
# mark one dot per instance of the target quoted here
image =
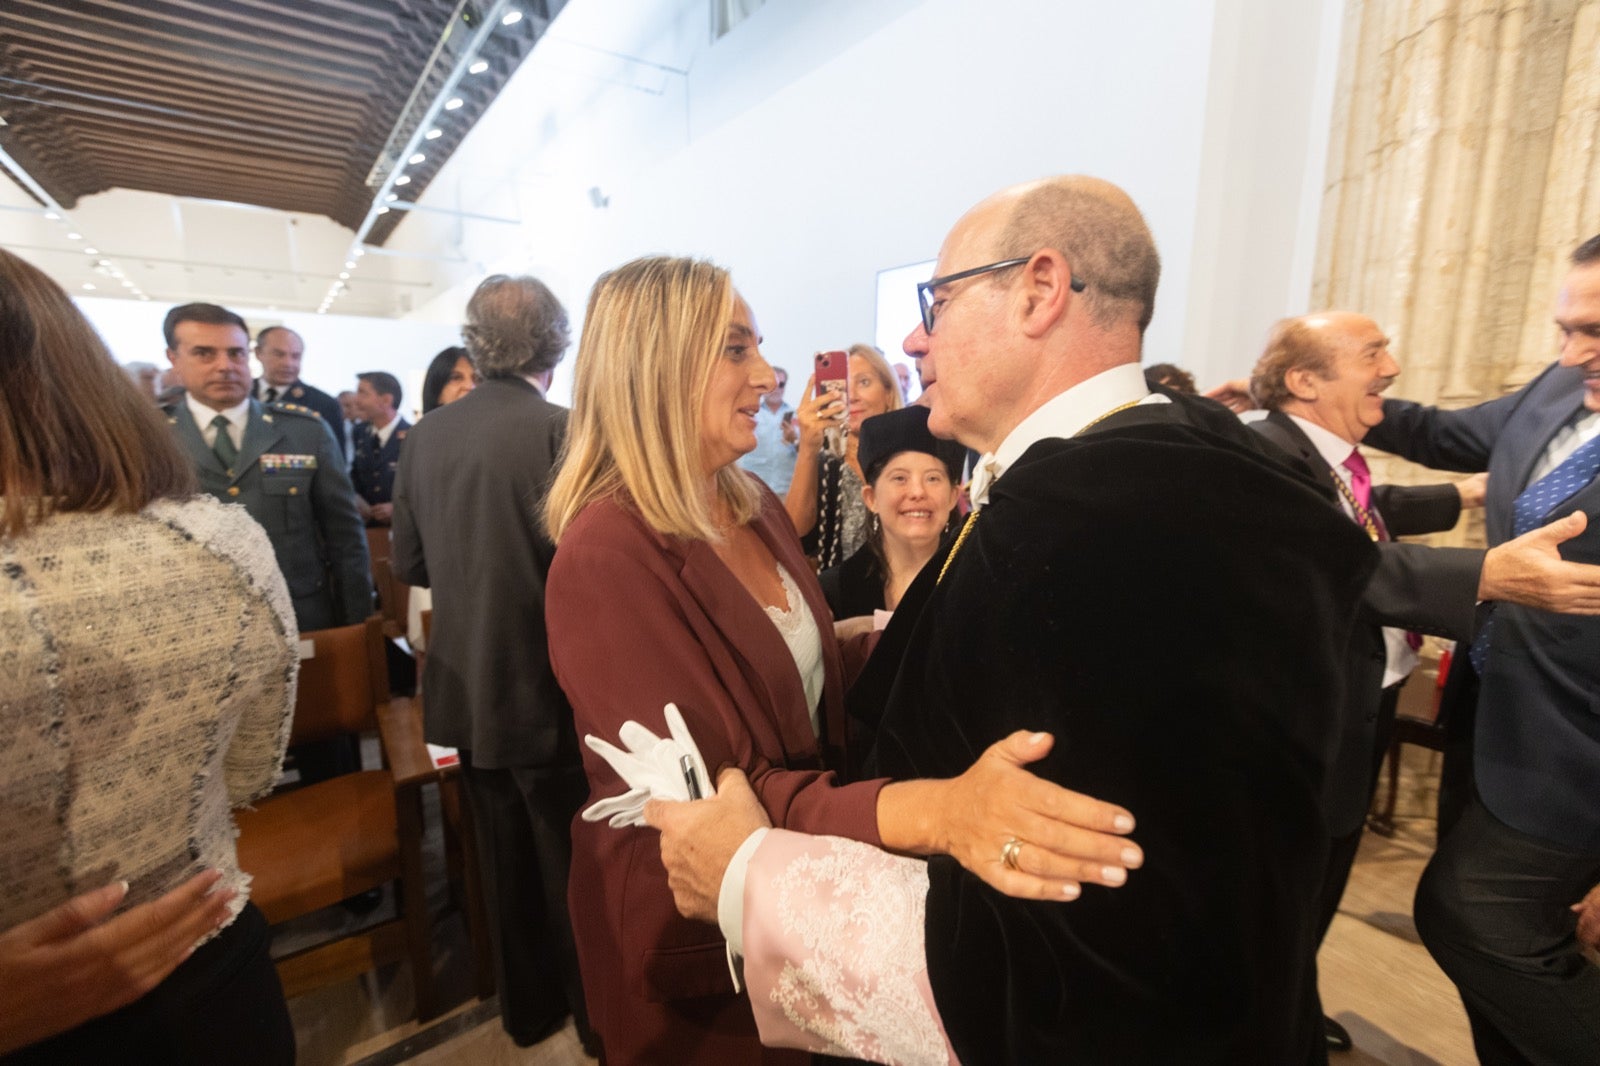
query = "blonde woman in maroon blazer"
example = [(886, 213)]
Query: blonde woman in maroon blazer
[(678, 578)]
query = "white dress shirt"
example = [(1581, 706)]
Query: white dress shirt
[(1568, 439), (1334, 449), (387, 431), (1064, 415), (237, 416)]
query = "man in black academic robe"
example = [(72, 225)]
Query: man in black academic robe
[(1141, 580)]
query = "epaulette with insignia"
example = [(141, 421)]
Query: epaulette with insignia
[(294, 408)]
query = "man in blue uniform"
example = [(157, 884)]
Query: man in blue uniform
[(377, 445), (280, 351)]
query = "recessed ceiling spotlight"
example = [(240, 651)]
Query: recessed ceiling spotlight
[(344, 274), (453, 103), (404, 179), (434, 134), (417, 158), (392, 197), (89, 285), (479, 67), (91, 251), (350, 265), (74, 236), (360, 252), (383, 210), (511, 18), (52, 216)]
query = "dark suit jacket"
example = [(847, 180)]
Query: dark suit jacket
[(1430, 590), (855, 586), (1172, 603), (467, 525), (637, 620), (290, 477), (309, 396), (374, 467), (1536, 749)]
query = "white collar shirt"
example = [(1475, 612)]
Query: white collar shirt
[(1568, 439), (238, 416), (1062, 416), (1399, 658), (387, 431), (1334, 450)]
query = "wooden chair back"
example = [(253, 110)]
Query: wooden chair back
[(343, 681)]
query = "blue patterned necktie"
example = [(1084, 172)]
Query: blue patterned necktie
[(1532, 509)]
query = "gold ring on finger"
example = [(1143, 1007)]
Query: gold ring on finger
[(1010, 852)]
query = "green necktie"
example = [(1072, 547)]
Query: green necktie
[(224, 443)]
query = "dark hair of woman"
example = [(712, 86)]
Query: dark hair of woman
[(438, 375), (75, 434)]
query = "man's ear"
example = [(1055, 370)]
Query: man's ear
[(1303, 384), (172, 357), (1045, 292)]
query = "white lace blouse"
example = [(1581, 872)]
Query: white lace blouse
[(798, 627)]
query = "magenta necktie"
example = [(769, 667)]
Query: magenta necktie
[(1360, 478)]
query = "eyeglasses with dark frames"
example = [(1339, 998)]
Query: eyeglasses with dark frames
[(925, 288)]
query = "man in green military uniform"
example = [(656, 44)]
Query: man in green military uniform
[(280, 461)]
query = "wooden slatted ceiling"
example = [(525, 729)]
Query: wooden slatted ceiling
[(281, 103)]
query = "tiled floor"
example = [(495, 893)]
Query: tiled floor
[(1376, 977)]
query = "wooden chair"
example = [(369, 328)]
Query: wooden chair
[(309, 848), (393, 595), (1416, 721)]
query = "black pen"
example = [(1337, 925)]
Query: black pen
[(690, 778)]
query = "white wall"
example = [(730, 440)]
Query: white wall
[(825, 140), (338, 347), (1262, 173)]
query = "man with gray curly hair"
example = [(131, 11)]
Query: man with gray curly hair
[(467, 495)]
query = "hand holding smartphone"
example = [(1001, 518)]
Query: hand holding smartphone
[(832, 374)]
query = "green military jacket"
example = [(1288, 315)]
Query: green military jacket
[(290, 477)]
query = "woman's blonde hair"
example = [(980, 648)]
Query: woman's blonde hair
[(653, 333), (880, 366)]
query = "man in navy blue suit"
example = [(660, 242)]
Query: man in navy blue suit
[(1519, 818), (377, 445)]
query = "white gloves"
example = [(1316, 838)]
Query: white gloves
[(651, 765)]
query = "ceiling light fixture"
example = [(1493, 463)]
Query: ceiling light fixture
[(350, 265), (343, 274), (74, 236), (418, 158), (479, 67), (89, 285), (91, 251), (434, 134), (52, 216), (453, 103), (511, 18)]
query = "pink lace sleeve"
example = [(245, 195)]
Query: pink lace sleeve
[(834, 960)]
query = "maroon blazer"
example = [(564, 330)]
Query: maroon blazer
[(637, 620)]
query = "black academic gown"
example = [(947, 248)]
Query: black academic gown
[(1172, 604)]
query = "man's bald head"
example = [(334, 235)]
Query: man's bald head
[(1096, 226)]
